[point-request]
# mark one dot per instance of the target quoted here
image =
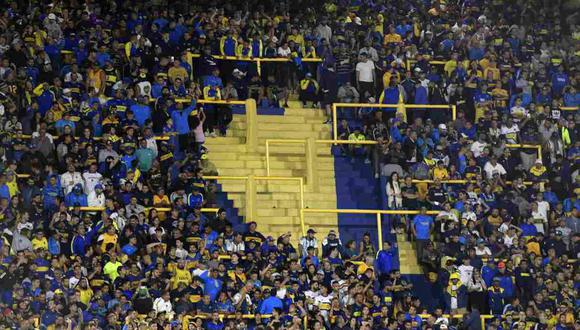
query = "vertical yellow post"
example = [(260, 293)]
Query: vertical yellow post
[(251, 125), (189, 58), (267, 157), (540, 152), (380, 230), (302, 224), (454, 112), (311, 164), (334, 122), (251, 198), (259, 67), (482, 318)]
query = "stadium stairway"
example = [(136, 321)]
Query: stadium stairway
[(278, 202)]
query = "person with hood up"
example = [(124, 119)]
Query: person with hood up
[(76, 197), (456, 295)]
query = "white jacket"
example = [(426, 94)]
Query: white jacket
[(160, 305), (96, 200), (69, 180)]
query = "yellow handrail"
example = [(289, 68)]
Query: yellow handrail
[(158, 209), (527, 146)]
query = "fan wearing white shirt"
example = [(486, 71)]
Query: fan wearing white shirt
[(465, 271), (510, 130), (492, 167), (92, 178), (69, 179), (481, 250), (478, 146), (365, 76), (163, 305)]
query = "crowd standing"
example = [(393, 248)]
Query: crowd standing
[(87, 89)]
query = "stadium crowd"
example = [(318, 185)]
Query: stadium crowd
[(86, 87)]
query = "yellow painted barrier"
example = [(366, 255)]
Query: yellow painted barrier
[(158, 209), (257, 60), (538, 147), (335, 106), (569, 108), (378, 214), (251, 120)]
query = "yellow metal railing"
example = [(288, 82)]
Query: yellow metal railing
[(257, 60), (378, 214), (335, 106), (538, 147), (251, 120), (311, 156), (147, 209)]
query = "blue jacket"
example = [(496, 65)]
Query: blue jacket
[(462, 298), (390, 96), (79, 243), (495, 300), (269, 304), (211, 286), (507, 284), (51, 193), (180, 118), (385, 261), (488, 273), (73, 199), (421, 95), (142, 113)]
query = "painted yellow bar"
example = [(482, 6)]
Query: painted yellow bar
[(380, 230), (257, 59), (159, 209), (219, 177), (334, 122), (312, 165), (251, 125), (356, 211), (345, 142), (569, 108), (378, 105), (267, 157), (527, 146)]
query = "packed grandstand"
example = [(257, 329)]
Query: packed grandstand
[(103, 162)]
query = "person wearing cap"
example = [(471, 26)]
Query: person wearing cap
[(538, 172), (308, 241), (330, 242)]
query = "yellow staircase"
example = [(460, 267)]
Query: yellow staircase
[(407, 256), (278, 202)]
